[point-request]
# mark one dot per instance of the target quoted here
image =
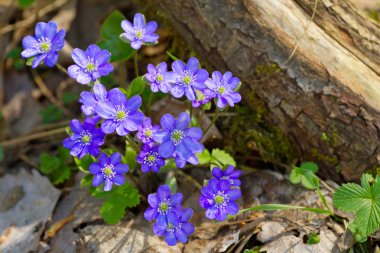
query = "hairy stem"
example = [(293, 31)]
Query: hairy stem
[(214, 118)]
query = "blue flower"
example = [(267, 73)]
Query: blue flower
[(146, 131), (139, 33), (164, 207), (90, 64), (218, 198), (178, 140), (108, 170), (120, 114), (159, 78), (86, 138), (44, 45), (187, 78), (91, 99), (202, 97), (180, 232), (223, 87), (229, 174), (150, 159)]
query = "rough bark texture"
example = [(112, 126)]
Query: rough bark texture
[(326, 98)]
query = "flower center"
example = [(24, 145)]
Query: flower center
[(139, 34), (108, 171), (86, 138), (187, 79), (148, 133), (151, 158), (45, 46), (90, 67), (159, 78), (164, 206), (221, 90), (221, 199), (177, 136), (120, 115)]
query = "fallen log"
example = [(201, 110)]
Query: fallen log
[(325, 95)]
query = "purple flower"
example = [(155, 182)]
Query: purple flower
[(202, 97), (146, 131), (150, 159), (90, 64), (108, 170), (44, 45), (91, 99), (86, 138), (187, 78), (172, 233), (178, 140), (164, 206), (229, 174), (159, 78), (139, 33), (218, 198), (223, 88), (119, 113)]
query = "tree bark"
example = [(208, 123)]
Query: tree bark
[(326, 97)]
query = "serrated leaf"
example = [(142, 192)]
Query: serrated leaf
[(48, 163), (204, 157), (84, 163), (364, 201), (222, 158), (136, 87), (86, 180), (110, 32), (305, 174), (60, 175), (113, 209)]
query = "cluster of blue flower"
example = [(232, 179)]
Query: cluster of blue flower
[(111, 111)]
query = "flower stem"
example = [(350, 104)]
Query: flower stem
[(212, 121), (136, 60), (201, 117), (191, 115), (132, 142), (61, 68)]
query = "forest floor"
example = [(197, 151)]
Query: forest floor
[(37, 105)]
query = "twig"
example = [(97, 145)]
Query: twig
[(61, 68), (32, 18), (189, 178), (27, 160), (31, 137), (47, 93)]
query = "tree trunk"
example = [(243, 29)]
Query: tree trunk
[(326, 95)]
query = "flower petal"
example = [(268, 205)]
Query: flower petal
[(150, 213), (102, 57), (166, 149), (167, 121), (153, 200), (170, 238), (176, 199), (115, 158), (118, 179), (50, 30), (97, 180), (133, 103), (139, 20), (105, 110), (232, 208), (51, 59), (177, 91), (194, 133), (109, 126), (100, 91), (163, 192), (234, 194), (76, 126), (92, 50), (79, 57), (116, 97), (151, 26), (107, 185), (40, 29), (121, 168), (58, 41), (95, 168), (178, 66), (211, 212)]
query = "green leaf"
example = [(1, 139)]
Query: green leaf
[(1, 153), (51, 114), (113, 209), (86, 180), (364, 201), (84, 163), (130, 157), (25, 3), (171, 181), (174, 58), (136, 87), (313, 238), (48, 163), (204, 157), (221, 158), (29, 61), (60, 175), (109, 33), (305, 174)]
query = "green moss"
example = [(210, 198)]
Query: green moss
[(318, 156), (250, 133)]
